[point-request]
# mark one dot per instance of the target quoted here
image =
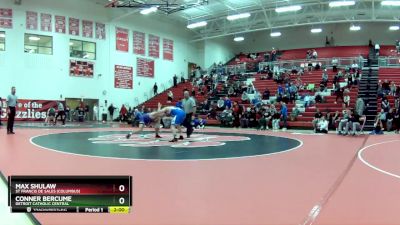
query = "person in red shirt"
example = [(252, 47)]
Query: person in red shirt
[(123, 113)]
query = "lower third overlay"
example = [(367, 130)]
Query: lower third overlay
[(70, 194)]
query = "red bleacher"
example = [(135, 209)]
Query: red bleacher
[(313, 77), (390, 74)]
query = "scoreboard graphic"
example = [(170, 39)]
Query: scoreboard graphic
[(70, 194)]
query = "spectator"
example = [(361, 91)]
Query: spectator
[(314, 54), (199, 123), (307, 100), (266, 94), (182, 79), (377, 48), (339, 94), (325, 77), (170, 96), (95, 112), (111, 110), (397, 120), (231, 91), (343, 123), (333, 119), (245, 97), (389, 120), (284, 113), (392, 88), (355, 122), (228, 102), (226, 117), (294, 114), (123, 114), (360, 106), (317, 117), (334, 64), (264, 121), (204, 107), (385, 105), (322, 126), (346, 100), (354, 67), (276, 118), (175, 78), (155, 88)]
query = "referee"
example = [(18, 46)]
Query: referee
[(189, 106), (12, 104)]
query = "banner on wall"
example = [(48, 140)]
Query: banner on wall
[(145, 67), (31, 20), (139, 43), (7, 13), (154, 46), (6, 23), (123, 77), (6, 18), (87, 28), (100, 31), (122, 39), (30, 110), (79, 68), (168, 49), (45, 22), (74, 26), (60, 24)]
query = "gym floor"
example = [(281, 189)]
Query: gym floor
[(220, 176)]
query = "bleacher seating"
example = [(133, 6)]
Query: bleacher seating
[(390, 74), (313, 77)]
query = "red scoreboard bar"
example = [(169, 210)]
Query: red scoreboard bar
[(70, 194)]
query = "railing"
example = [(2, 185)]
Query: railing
[(325, 62), (390, 61), (235, 69), (163, 87)]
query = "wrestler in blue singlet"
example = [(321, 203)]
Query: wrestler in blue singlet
[(178, 116), (143, 118)]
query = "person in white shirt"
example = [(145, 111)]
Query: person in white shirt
[(322, 126), (95, 112), (377, 48)]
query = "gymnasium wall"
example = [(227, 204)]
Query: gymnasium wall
[(301, 37), (47, 77), (216, 50)]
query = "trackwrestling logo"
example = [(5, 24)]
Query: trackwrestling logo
[(148, 140)]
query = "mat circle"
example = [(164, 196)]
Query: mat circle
[(113, 144)]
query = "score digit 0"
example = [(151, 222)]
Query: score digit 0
[(121, 188), (121, 200)]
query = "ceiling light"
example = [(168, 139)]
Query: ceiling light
[(390, 3), (355, 28), (71, 43), (2, 35), (196, 25), (288, 9), (238, 16), (390, 28), (148, 10), (237, 39), (341, 3), (33, 38), (276, 34), (316, 30)]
